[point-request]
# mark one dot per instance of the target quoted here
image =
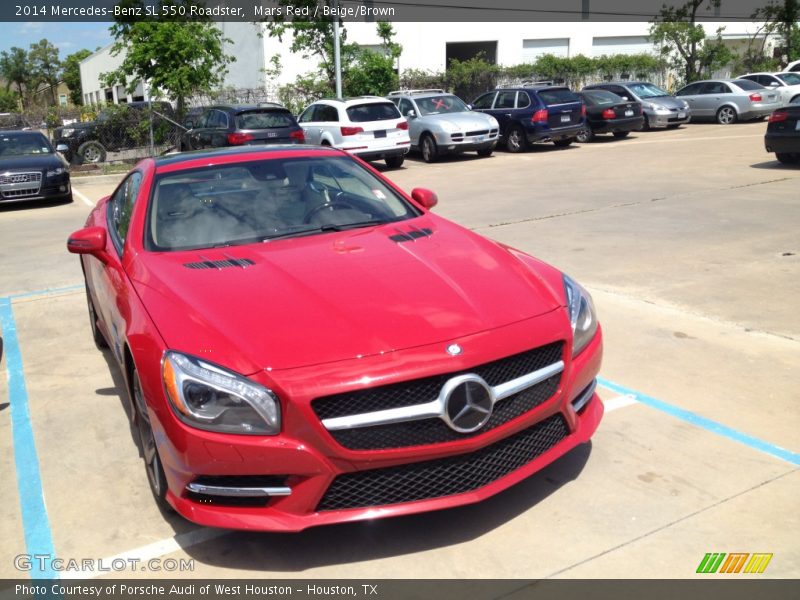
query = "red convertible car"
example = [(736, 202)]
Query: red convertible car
[(304, 343)]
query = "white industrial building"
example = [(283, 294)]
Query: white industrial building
[(426, 46)]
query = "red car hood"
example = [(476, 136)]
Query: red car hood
[(335, 296)]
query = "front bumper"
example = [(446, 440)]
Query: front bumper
[(54, 188), (320, 472), (665, 120), (466, 143)]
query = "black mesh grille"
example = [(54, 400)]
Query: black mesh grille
[(444, 477), (435, 431), (424, 390)]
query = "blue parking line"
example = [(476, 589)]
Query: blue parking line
[(704, 423), (35, 522), (47, 292)]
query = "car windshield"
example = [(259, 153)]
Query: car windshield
[(264, 119), (600, 98), (439, 105), (15, 144), (789, 78), (264, 200), (374, 111), (647, 90)]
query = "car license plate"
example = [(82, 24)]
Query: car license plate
[(479, 138), (629, 113), (681, 115), (565, 118), (380, 134)]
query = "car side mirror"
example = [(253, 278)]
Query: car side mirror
[(774, 84), (426, 198), (90, 240)]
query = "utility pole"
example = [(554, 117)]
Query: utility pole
[(337, 59)]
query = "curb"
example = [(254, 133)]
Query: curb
[(96, 179)]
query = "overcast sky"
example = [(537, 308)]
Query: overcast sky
[(67, 37)]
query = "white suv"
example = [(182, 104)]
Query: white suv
[(368, 126)]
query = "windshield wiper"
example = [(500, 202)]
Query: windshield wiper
[(321, 229)]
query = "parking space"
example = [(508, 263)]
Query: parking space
[(687, 240)]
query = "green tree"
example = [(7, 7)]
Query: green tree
[(782, 16), (15, 69), (684, 42), (71, 75), (45, 65), (177, 57), (8, 101)]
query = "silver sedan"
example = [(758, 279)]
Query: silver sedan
[(729, 100), (440, 123)]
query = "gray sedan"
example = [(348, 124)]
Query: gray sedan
[(659, 108), (729, 100), (440, 123)]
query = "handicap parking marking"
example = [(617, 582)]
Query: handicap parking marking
[(703, 422), (35, 521)]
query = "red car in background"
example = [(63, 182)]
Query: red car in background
[(304, 343)]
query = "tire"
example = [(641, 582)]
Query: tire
[(646, 124), (91, 153), (395, 162), (427, 145), (621, 134), (485, 152), (152, 461), (563, 143), (97, 335), (788, 158), (585, 136), (795, 99), (515, 140), (726, 115), (68, 199)]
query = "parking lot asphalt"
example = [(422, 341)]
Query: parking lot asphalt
[(687, 240)]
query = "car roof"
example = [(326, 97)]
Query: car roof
[(352, 100), (20, 132), (246, 107), (531, 88)]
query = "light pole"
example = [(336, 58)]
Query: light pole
[(337, 59)]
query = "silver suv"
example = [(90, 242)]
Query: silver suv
[(441, 123), (368, 126)]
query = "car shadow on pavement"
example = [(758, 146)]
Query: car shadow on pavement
[(775, 165), (30, 204), (386, 538)]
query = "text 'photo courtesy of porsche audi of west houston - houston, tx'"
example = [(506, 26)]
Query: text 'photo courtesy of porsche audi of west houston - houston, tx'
[(304, 343)]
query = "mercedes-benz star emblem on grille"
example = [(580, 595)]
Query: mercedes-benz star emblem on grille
[(454, 350), (468, 403)]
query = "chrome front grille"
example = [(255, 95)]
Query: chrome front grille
[(19, 185), (415, 412)]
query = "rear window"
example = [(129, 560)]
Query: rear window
[(600, 98), (264, 119), (746, 84), (558, 96), (361, 113)]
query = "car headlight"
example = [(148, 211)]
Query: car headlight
[(209, 397), (56, 171), (582, 316), (67, 132)]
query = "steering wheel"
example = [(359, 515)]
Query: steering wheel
[(335, 204)]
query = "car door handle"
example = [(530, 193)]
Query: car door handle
[(507, 115)]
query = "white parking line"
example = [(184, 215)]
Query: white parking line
[(83, 198), (618, 402), (138, 558)]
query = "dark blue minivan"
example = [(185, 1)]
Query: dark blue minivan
[(534, 114)]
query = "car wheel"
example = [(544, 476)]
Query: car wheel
[(97, 335), (395, 162), (152, 461), (563, 143), (585, 135), (430, 153), (621, 134), (646, 124), (726, 116), (68, 199), (515, 140), (788, 158), (91, 152), (485, 152)]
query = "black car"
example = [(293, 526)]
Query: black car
[(121, 127), (30, 169), (783, 134), (608, 113), (238, 125), (534, 114)]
